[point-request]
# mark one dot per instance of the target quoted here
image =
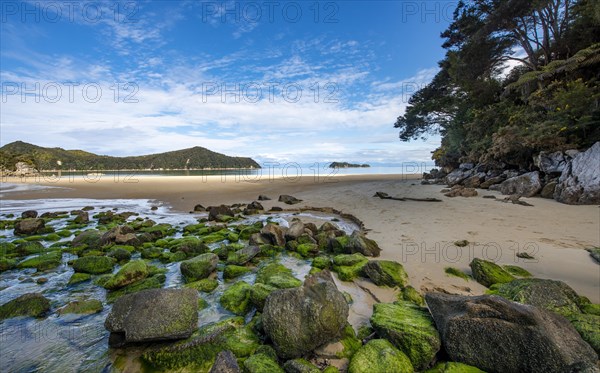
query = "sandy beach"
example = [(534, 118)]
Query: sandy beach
[(420, 235)]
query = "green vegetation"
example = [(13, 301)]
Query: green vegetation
[(46, 158), (347, 165), (379, 355), (456, 272), (547, 103)]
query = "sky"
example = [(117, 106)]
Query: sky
[(279, 81)]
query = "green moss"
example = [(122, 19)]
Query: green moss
[(321, 262), (452, 367), (379, 355), (516, 271), (259, 294), (410, 294), (456, 273), (199, 267), (152, 253), (79, 277), (307, 250), (350, 342), (31, 304), (128, 274), (215, 237), (65, 233), (590, 309), (233, 271), (191, 246), (206, 285), (261, 363), (331, 369), (233, 237), (202, 303), (7, 264), (34, 238), (300, 366), (94, 264), (410, 328), (249, 231), (120, 254), (269, 251), (43, 262), (365, 331), (237, 298), (82, 307), (169, 257), (386, 273), (348, 267), (29, 248), (7, 248), (588, 326), (488, 273), (154, 282), (52, 237), (277, 275)]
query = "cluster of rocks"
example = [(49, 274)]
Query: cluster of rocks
[(570, 177), (282, 324)]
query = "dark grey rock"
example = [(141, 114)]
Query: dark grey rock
[(526, 185)]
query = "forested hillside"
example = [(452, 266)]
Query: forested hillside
[(489, 114), (47, 158)]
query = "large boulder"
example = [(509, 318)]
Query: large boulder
[(526, 185), (219, 212), (29, 226), (30, 304), (91, 239), (94, 265), (555, 296), (551, 163), (153, 315), (199, 267), (295, 230), (386, 273), (410, 328), (457, 176), (357, 242), (301, 319), (579, 184), (274, 233), (497, 335), (130, 273), (488, 273), (243, 256), (379, 356)]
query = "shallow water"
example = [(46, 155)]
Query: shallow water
[(76, 343)]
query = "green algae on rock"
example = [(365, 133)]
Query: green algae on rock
[(79, 277), (410, 328), (237, 298), (488, 273), (453, 367), (199, 267), (261, 363), (349, 266), (30, 304), (379, 356), (42, 262), (84, 307), (128, 274), (277, 275), (386, 273), (456, 273), (94, 265), (206, 285), (233, 271)]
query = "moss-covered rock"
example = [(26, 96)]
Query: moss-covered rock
[(453, 367), (76, 278), (348, 267), (300, 366), (7, 248), (30, 304), (84, 307), (321, 262), (7, 264), (237, 298), (94, 265), (215, 237), (29, 248), (152, 253), (206, 285), (379, 356), (590, 309), (128, 274), (488, 273), (42, 262), (277, 275), (308, 250), (90, 238), (233, 271), (199, 267), (456, 273), (153, 282), (261, 363), (410, 294), (588, 326), (555, 296), (120, 254), (410, 328), (386, 273), (259, 294), (516, 271), (191, 246), (243, 256)]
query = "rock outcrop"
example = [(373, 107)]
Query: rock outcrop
[(579, 183), (497, 335), (526, 185), (301, 319)]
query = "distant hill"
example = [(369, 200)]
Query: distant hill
[(347, 165), (46, 159)]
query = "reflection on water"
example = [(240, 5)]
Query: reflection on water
[(76, 343)]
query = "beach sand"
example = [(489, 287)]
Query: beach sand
[(420, 235)]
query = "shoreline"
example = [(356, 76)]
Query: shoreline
[(419, 235)]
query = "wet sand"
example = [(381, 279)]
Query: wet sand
[(420, 235)]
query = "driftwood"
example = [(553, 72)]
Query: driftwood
[(515, 199), (383, 195)]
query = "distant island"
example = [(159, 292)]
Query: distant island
[(42, 159), (347, 165)]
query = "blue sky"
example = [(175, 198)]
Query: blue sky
[(276, 81)]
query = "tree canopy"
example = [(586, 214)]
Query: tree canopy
[(487, 113)]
